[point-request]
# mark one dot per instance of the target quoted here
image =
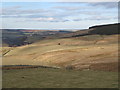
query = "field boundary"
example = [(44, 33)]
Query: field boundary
[(8, 67)]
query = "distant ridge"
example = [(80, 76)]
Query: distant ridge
[(108, 29)]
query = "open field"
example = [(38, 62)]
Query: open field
[(58, 78)]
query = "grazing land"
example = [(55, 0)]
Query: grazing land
[(81, 59), (58, 78)]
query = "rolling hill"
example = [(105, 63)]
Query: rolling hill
[(18, 37), (80, 49), (61, 59)]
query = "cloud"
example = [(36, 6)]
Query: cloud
[(101, 18), (74, 6), (70, 8), (61, 1), (50, 20), (60, 13), (96, 18), (17, 10), (107, 5), (77, 19), (44, 19), (87, 0)]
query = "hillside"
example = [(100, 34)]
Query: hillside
[(61, 59), (85, 49), (109, 29), (105, 29), (82, 53), (18, 37), (12, 37)]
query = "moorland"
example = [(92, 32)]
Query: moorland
[(60, 58)]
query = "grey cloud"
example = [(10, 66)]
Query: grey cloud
[(59, 13), (71, 8), (17, 10), (51, 12), (77, 19), (105, 4), (60, 20)]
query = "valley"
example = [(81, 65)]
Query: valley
[(76, 56)]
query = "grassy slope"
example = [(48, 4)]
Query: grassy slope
[(73, 51), (58, 78), (79, 52)]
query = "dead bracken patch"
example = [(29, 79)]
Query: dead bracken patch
[(113, 66)]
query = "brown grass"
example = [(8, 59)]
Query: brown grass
[(113, 66)]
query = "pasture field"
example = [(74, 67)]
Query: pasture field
[(58, 78)]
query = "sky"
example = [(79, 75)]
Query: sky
[(57, 15)]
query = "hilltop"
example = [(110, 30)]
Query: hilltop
[(109, 29)]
